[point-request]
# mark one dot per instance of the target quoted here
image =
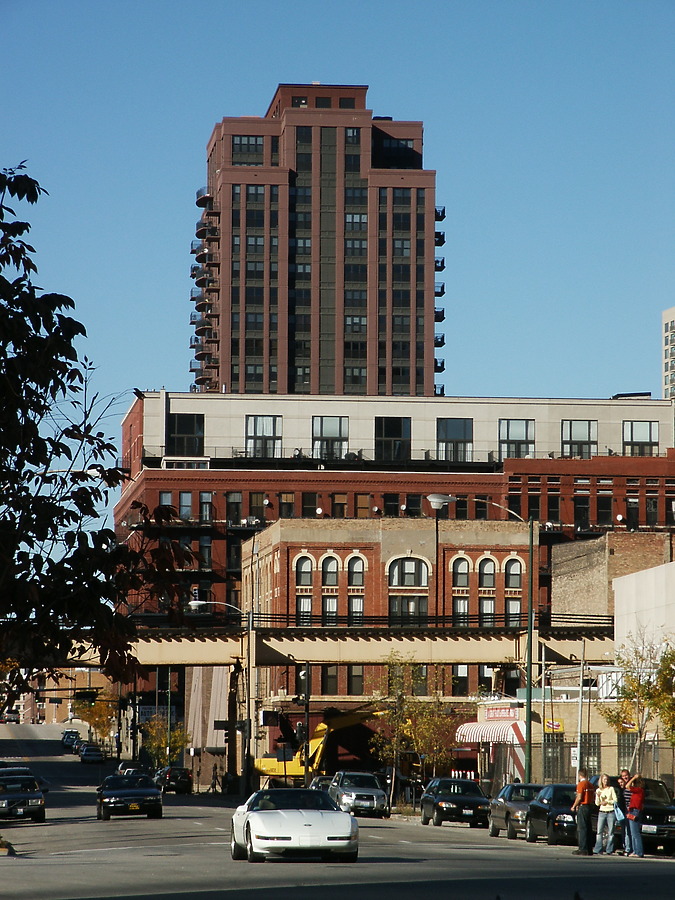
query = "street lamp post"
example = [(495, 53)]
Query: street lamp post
[(249, 631), (437, 502)]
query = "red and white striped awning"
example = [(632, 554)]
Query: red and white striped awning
[(490, 732)]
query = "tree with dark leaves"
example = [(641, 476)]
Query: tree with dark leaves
[(64, 579)]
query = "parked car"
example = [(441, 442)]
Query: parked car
[(293, 821), (454, 800), (174, 778), (321, 783), (359, 793), (13, 771), (508, 810), (658, 814), (92, 754), (550, 815), (21, 798), (128, 795)]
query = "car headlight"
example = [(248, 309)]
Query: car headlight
[(4, 804), (671, 819), (564, 817), (39, 801), (446, 804), (520, 814), (348, 795)]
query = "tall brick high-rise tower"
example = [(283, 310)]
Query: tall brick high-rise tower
[(315, 264)]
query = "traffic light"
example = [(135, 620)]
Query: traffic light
[(86, 696), (303, 681), (300, 732)]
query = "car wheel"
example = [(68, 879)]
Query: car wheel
[(530, 834), (424, 818), (493, 831), (155, 814), (349, 857), (437, 818), (474, 823), (251, 855), (39, 816), (511, 832), (105, 814), (551, 836), (236, 850)]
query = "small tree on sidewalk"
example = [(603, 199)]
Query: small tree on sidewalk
[(162, 745)]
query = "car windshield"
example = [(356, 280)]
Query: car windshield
[(564, 797), (123, 782), (466, 788), (291, 799), (18, 785), (360, 781), (525, 792), (657, 792)]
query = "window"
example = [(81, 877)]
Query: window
[(322, 102), (185, 505), (486, 573), (303, 610), (408, 609), (640, 438), (454, 439), (286, 505), (420, 681), (339, 506), (329, 610), (390, 504), (513, 575), (513, 612), (460, 573), (401, 196), (247, 143), (185, 434), (355, 324), (485, 678), (303, 572), (205, 552), (604, 507), (165, 498), (233, 507), (310, 503), (460, 611), (303, 134), (362, 505), (460, 681), (625, 745), (255, 193), (355, 609), (582, 508), (205, 506), (355, 681), (356, 221), (352, 136), (347, 103), (355, 377), (355, 572), (516, 438), (392, 438), (255, 244), (356, 247), (329, 680), (330, 437), (401, 247), (329, 572), (487, 611), (590, 752), (413, 505), (256, 505), (352, 162), (298, 102), (555, 768), (579, 438), (263, 436), (356, 196), (553, 508), (303, 162), (408, 572)]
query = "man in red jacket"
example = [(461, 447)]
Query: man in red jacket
[(583, 806)]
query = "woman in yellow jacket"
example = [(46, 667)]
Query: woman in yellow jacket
[(605, 797)]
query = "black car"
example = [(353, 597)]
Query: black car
[(174, 778), (550, 815), (128, 795), (658, 814), (454, 800), (21, 798)]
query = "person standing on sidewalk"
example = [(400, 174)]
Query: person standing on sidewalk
[(634, 816), (624, 800), (605, 798), (584, 801)]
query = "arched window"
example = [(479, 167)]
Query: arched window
[(303, 572), (513, 575), (408, 572), (355, 570), (329, 572), (460, 573), (486, 573)]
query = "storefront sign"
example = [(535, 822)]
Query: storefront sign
[(502, 712), (554, 726)]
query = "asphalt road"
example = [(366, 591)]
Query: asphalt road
[(186, 854)]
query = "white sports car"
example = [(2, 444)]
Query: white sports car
[(293, 822)]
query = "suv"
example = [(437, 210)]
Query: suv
[(174, 778), (359, 792)]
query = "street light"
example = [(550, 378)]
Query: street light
[(530, 635), (437, 502), (196, 605)]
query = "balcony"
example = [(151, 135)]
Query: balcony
[(196, 343), (439, 213), (212, 362), (439, 263), (439, 238), (439, 390), (439, 340), (200, 322), (196, 294), (439, 289), (196, 366), (204, 198), (439, 314), (439, 365), (196, 246), (202, 254)]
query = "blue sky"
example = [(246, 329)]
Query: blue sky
[(551, 126)]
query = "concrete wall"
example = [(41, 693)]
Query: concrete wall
[(645, 605)]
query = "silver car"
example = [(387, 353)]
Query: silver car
[(359, 793), (508, 809)]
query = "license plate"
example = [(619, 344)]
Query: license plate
[(650, 829), (467, 812), (19, 812), (134, 806)]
